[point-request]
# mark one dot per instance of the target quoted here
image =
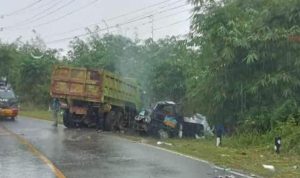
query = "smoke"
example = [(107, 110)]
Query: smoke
[(154, 65)]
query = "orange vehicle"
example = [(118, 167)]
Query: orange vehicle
[(8, 103)]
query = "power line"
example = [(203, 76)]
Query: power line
[(109, 27), (152, 19), (21, 9), (137, 18), (172, 24), (67, 14), (169, 15), (161, 18), (37, 14), (44, 5), (138, 10), (162, 7), (115, 17), (85, 34), (154, 14), (46, 15), (164, 17)]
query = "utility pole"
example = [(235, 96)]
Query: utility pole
[(152, 26), (107, 27), (136, 34), (118, 26)]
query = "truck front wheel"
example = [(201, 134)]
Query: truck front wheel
[(67, 119)]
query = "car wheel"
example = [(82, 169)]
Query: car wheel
[(163, 134)]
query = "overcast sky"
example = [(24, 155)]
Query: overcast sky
[(57, 21)]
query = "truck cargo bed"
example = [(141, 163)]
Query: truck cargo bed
[(93, 86), (77, 83)]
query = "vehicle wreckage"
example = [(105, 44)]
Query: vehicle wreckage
[(164, 121)]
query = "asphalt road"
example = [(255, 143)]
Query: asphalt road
[(34, 148)]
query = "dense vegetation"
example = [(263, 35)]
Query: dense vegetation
[(253, 65), (240, 65)]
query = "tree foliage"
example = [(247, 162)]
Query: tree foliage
[(29, 75), (253, 75), (239, 66)]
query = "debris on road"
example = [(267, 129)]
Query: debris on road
[(227, 176), (164, 143), (261, 156), (269, 167), (227, 169), (225, 155)]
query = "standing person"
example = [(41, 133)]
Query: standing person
[(219, 133), (55, 110), (99, 121)]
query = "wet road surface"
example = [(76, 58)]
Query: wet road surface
[(84, 153), (14, 156)]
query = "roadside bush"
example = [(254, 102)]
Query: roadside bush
[(288, 131), (246, 139), (290, 134)]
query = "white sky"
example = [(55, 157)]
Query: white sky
[(63, 16)]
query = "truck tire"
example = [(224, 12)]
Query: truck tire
[(113, 121), (108, 122), (67, 120)]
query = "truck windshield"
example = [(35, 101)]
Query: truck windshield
[(7, 94)]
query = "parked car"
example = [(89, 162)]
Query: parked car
[(8, 103)]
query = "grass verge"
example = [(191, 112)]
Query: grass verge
[(248, 160), (39, 114)]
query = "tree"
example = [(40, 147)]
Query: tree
[(28, 68), (253, 69)]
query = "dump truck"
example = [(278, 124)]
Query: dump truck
[(84, 93)]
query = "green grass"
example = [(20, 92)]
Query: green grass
[(245, 159), (249, 160), (39, 114)]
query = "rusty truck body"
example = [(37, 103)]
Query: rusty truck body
[(84, 93)]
